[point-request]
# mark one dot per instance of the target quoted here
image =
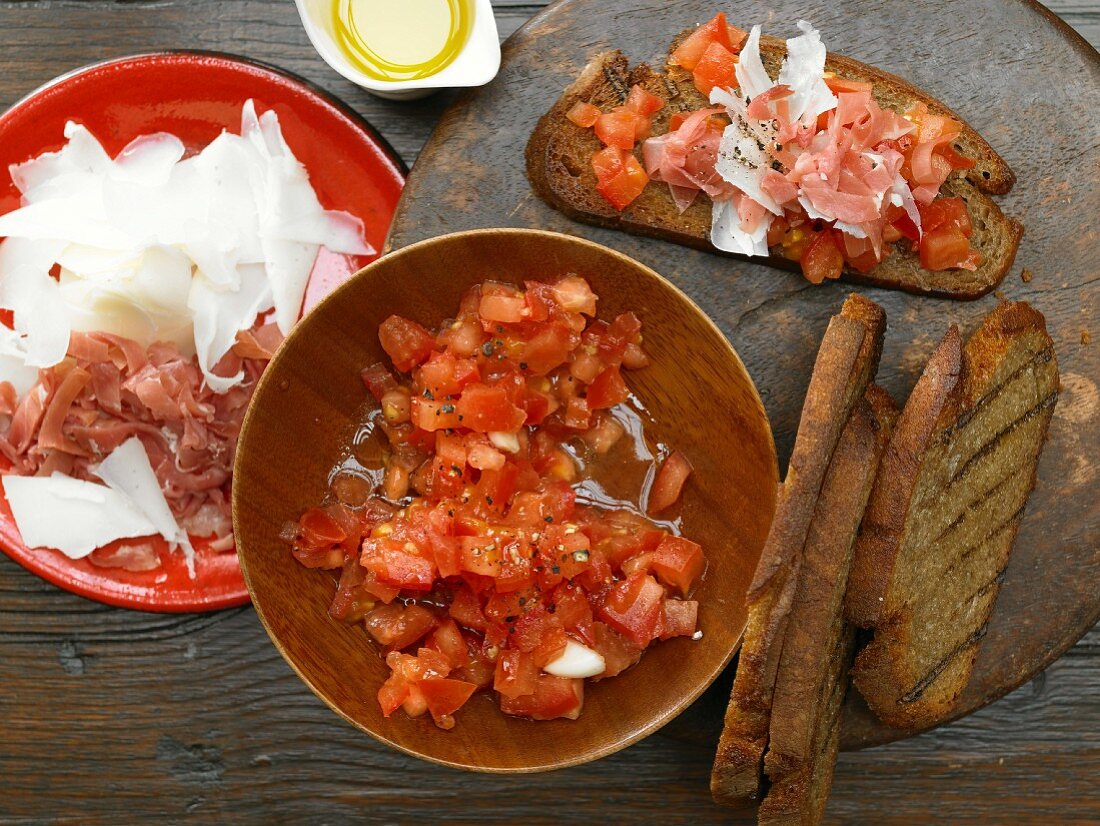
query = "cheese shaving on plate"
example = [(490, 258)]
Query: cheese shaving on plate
[(167, 260), (118, 226)]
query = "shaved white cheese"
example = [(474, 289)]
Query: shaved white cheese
[(154, 246), (812, 212), (742, 157), (127, 471), (13, 364), (42, 320), (902, 193), (803, 71), (219, 314), (71, 515), (726, 233), (82, 155), (752, 77), (577, 661), (742, 163), (855, 230)]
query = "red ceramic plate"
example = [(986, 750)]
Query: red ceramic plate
[(196, 96)]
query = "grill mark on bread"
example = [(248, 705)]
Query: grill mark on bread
[(980, 451), (1042, 357), (974, 504), (924, 682), (987, 448), (921, 685), (615, 81), (1007, 524)]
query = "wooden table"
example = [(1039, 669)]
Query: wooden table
[(111, 716)]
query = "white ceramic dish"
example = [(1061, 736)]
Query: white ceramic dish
[(475, 65)]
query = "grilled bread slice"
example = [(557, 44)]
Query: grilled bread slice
[(818, 645), (559, 167), (933, 561), (846, 362)]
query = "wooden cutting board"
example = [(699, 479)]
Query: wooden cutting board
[(1018, 74)]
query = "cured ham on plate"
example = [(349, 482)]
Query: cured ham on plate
[(192, 400)]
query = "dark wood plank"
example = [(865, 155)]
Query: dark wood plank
[(109, 715)]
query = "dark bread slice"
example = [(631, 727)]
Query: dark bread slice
[(876, 546), (817, 649), (559, 153), (808, 662), (800, 796), (947, 544), (846, 362)]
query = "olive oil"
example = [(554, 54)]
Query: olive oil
[(401, 39)]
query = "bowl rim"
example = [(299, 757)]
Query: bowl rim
[(659, 720)]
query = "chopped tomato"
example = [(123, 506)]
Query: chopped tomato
[(633, 608), (573, 294), (944, 248), (822, 259), (399, 626), (618, 652), (669, 482), (448, 641), (479, 579), (619, 177), (716, 30), (945, 213), (548, 348), (444, 697), (715, 68), (607, 390), (956, 159), (395, 566), (485, 409), (643, 102), (678, 563), (617, 129), (553, 697), (466, 610), (516, 674), (507, 309), (680, 618), (583, 114), (405, 342), (839, 84), (378, 380), (352, 600)]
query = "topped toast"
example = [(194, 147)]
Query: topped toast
[(905, 201)]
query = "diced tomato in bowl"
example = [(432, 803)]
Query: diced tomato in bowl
[(472, 565)]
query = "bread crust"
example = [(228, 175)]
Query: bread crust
[(846, 362), (807, 657), (558, 157)]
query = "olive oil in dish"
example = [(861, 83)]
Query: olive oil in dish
[(398, 40)]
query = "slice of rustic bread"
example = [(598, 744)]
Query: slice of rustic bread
[(559, 167), (813, 630), (817, 647), (933, 561), (800, 796), (846, 361), (876, 547)]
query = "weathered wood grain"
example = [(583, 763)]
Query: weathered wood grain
[(110, 716)]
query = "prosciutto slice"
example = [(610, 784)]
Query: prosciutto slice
[(109, 389)]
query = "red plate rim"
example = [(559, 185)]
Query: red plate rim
[(108, 586)]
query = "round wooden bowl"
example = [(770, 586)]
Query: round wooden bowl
[(311, 398)]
